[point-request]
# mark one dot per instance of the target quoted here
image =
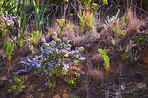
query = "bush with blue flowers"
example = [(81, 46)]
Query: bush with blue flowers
[(56, 56)]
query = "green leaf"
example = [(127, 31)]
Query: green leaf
[(65, 0), (21, 41), (45, 8), (94, 5), (127, 52), (62, 28), (60, 21), (113, 42), (123, 56), (123, 20), (124, 32), (105, 1), (10, 81), (117, 30), (31, 47), (8, 48), (105, 57), (100, 50)]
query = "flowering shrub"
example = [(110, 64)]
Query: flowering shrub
[(56, 56), (6, 23)]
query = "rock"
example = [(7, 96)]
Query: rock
[(56, 96), (65, 96)]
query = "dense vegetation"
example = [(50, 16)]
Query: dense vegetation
[(73, 48)]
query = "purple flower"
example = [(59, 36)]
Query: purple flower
[(66, 55), (82, 58), (51, 65), (23, 62), (49, 51), (62, 51), (74, 56), (58, 39), (59, 60), (55, 35), (52, 43), (38, 65), (14, 28), (43, 40), (80, 48), (46, 44), (66, 66)]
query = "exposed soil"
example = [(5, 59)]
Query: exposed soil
[(126, 77)]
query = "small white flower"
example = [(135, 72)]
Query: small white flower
[(55, 35), (82, 58), (66, 55), (43, 40)]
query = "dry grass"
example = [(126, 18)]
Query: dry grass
[(95, 77)]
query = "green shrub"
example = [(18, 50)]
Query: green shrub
[(8, 49), (103, 52), (55, 59), (16, 85), (61, 23), (35, 37)]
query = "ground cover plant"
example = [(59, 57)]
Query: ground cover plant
[(73, 49)]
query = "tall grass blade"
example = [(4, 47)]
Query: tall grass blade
[(45, 8)]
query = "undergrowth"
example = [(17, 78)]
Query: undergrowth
[(87, 45)]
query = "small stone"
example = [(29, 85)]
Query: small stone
[(64, 91), (65, 96), (56, 96)]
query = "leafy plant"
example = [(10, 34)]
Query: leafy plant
[(52, 82), (141, 38), (126, 54), (94, 5), (55, 58), (103, 52), (17, 85), (123, 20), (87, 16), (123, 33), (39, 90), (73, 82), (111, 20), (21, 42), (31, 47), (8, 6), (65, 0), (35, 37), (105, 1), (8, 49), (71, 96), (117, 30), (113, 42), (61, 25)]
